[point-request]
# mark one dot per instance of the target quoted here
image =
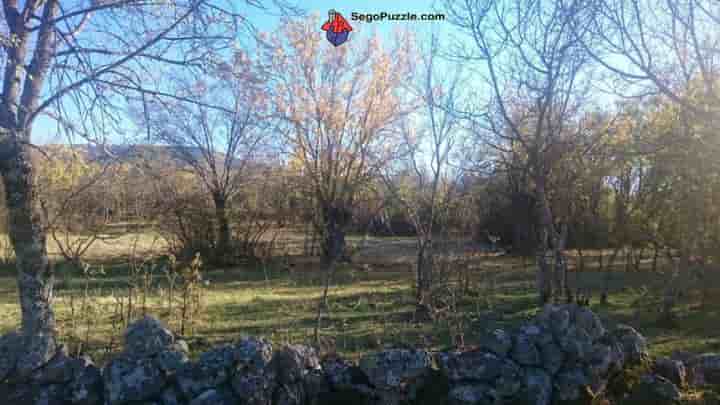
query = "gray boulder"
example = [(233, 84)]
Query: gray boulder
[(509, 382), (655, 390), (58, 370), (316, 386), (673, 370), (572, 386), (497, 341), (53, 394), (392, 368), (252, 355), (253, 381), (86, 388), (127, 380), (537, 333), (170, 361), (552, 357), (213, 369), (633, 344), (558, 319), (536, 389), (705, 369), (472, 394), (347, 378), (588, 321), (147, 337), (170, 396), (605, 359), (293, 362), (525, 352), (215, 397), (471, 366), (576, 344)]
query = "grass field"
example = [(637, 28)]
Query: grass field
[(371, 302)]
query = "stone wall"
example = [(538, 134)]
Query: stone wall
[(563, 356)]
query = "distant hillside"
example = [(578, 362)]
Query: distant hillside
[(96, 153), (121, 152)]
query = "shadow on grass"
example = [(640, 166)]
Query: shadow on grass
[(371, 309)]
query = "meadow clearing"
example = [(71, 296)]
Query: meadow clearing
[(371, 299)]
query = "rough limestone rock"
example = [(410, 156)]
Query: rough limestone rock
[(290, 367), (497, 341), (588, 321), (633, 344), (705, 369), (253, 380), (509, 382), (58, 370), (127, 380), (562, 357), (215, 397), (524, 351), (398, 374), (555, 317), (537, 388), (391, 368), (538, 333), (654, 390), (53, 394), (471, 366), (316, 386), (605, 359), (673, 370), (170, 396), (86, 387), (348, 384), (553, 357), (170, 361), (572, 386), (473, 395), (576, 344), (339, 373), (293, 362), (147, 337), (10, 344), (213, 369)]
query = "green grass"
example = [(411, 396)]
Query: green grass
[(369, 309)]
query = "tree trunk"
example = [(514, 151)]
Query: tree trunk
[(34, 272), (544, 275), (581, 260), (560, 263), (656, 253), (332, 247), (223, 229), (423, 306)]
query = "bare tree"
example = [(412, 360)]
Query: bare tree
[(424, 186), (656, 47), (215, 144), (339, 115), (537, 73), (671, 51), (75, 62)]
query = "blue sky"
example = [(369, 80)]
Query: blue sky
[(44, 130)]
